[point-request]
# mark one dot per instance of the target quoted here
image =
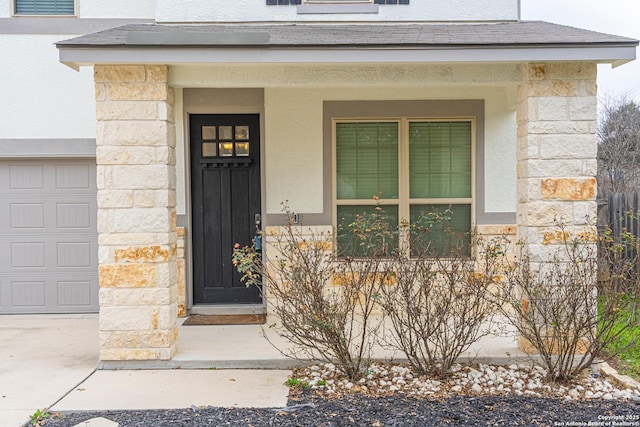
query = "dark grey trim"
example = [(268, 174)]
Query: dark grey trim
[(61, 25), (210, 99), (47, 148), (336, 8), (79, 56), (431, 109)]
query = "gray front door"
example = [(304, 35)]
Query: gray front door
[(48, 236)]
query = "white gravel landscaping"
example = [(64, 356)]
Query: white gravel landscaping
[(479, 379)]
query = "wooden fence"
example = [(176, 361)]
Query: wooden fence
[(619, 211)]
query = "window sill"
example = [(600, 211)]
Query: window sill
[(336, 8)]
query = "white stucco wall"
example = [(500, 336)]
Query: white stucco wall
[(5, 8), (293, 117), (181, 170), (42, 98), (257, 10), (140, 9)]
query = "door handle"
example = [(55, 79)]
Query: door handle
[(257, 240)]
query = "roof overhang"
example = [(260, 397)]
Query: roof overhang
[(517, 42), (86, 56)]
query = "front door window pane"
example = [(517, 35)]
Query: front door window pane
[(209, 149), (226, 132), (208, 132), (242, 132)]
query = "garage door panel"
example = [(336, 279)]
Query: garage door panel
[(75, 294), (41, 293), (49, 251), (28, 293), (26, 177), (26, 215), (70, 176), (30, 255), (47, 214), (75, 254), (4, 256), (48, 237), (74, 215)]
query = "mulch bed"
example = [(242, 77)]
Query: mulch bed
[(310, 408)]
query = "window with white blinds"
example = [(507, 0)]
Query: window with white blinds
[(410, 167), (44, 7)]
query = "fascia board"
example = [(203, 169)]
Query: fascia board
[(80, 56)]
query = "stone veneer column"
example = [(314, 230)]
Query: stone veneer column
[(136, 212), (557, 150)]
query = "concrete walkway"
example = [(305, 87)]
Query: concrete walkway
[(49, 361), (41, 359)]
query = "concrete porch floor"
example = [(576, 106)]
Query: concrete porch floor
[(245, 347)]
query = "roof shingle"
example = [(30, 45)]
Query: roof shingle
[(523, 33)]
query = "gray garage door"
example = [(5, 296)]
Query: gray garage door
[(48, 237)]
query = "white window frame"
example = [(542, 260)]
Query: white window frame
[(404, 201)]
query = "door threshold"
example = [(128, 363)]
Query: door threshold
[(228, 309)]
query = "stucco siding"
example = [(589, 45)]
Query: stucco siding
[(293, 106), (257, 10), (500, 151), (142, 9), (117, 9), (41, 97), (5, 8)]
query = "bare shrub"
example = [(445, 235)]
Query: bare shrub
[(562, 311), (618, 145), (324, 302), (440, 305)]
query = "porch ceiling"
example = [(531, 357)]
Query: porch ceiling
[(522, 41)]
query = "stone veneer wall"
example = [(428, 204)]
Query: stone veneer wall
[(182, 291), (557, 111), (557, 164), (136, 212), (304, 235)]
